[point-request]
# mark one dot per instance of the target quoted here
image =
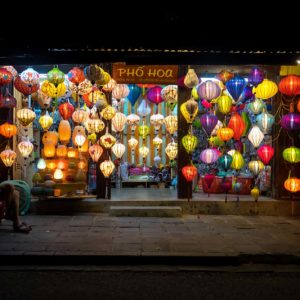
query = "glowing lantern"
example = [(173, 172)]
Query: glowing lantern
[(50, 136), (94, 125), (290, 85), (66, 110), (290, 121), (236, 86), (51, 165), (5, 76), (132, 143), (105, 79), (76, 75), (107, 140), (209, 122), (143, 109), (8, 156), (56, 76), (237, 161), (118, 150), (144, 130), (120, 91), (46, 121), (225, 134), (61, 151), (170, 95), (49, 149), (8, 130), (292, 184), (255, 166), (108, 112), (64, 131), (224, 76), (82, 88), (95, 152), (157, 141), (189, 110), (53, 91), (171, 124), (133, 120), (72, 153), (265, 90), (157, 120), (171, 150), (81, 164), (58, 175), (208, 90), (154, 95), (79, 116), (107, 167), (110, 85), (189, 142), (225, 161), (291, 154), (256, 76), (209, 156), (41, 165), (255, 136), (119, 121), (79, 139), (30, 76), (255, 193), (191, 79), (237, 124), (265, 122), (25, 148), (25, 116), (194, 93), (144, 151), (94, 96), (224, 104), (189, 173), (265, 153), (256, 106)]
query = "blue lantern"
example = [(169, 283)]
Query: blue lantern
[(134, 93), (236, 86), (265, 122)]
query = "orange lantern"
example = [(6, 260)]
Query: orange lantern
[(62, 164), (290, 85), (85, 147), (292, 184), (51, 165), (64, 131), (50, 136), (49, 149), (95, 152), (66, 110), (8, 130), (8, 156), (225, 134), (237, 124), (76, 75), (79, 116), (72, 153), (82, 164), (61, 151), (189, 172)]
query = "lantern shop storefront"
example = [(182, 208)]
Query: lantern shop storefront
[(117, 130)]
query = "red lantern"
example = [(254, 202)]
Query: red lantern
[(226, 186), (76, 75), (290, 85), (5, 77), (66, 110), (189, 172), (208, 179), (237, 124), (265, 153), (24, 88)]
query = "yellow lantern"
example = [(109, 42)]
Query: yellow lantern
[(171, 150), (107, 167), (191, 79), (50, 136), (104, 80), (157, 141), (110, 85), (194, 93), (79, 139), (95, 152), (25, 116), (61, 151), (224, 104), (118, 122), (108, 112), (132, 143), (255, 193), (51, 165), (81, 164), (189, 110), (58, 175), (118, 150), (25, 148), (46, 121), (8, 156), (144, 151), (49, 149), (237, 161), (94, 125), (171, 124), (255, 136), (189, 142), (265, 89), (72, 153), (79, 115), (225, 134), (256, 166), (144, 130), (107, 140), (62, 164), (157, 120), (292, 184), (64, 131), (41, 165)]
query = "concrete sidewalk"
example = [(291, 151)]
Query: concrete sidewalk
[(189, 236)]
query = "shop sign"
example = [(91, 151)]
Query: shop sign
[(160, 74)]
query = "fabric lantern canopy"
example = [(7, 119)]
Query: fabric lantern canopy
[(189, 142), (291, 154), (290, 121), (144, 130), (265, 89), (209, 156), (25, 148), (191, 79), (119, 121), (208, 122), (144, 151), (225, 134), (143, 109), (225, 161), (189, 172), (171, 150), (93, 73), (189, 110), (108, 112), (255, 193), (132, 143), (237, 161), (171, 124), (157, 141), (236, 86), (157, 120), (292, 184), (53, 91), (66, 110), (25, 116), (290, 85), (110, 85), (8, 156), (8, 130), (255, 166), (95, 152), (64, 131), (255, 136), (41, 165), (224, 104), (208, 90), (265, 153), (94, 125), (61, 151), (56, 76), (107, 167), (224, 76), (107, 140), (265, 122), (120, 91), (46, 121), (118, 150), (237, 124), (256, 106), (256, 76)]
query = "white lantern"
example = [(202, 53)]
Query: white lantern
[(58, 174), (107, 167), (119, 121), (132, 143), (171, 150), (120, 91), (144, 151), (133, 120), (143, 109), (25, 148), (30, 76), (79, 139), (157, 120), (41, 165), (79, 116), (118, 150), (255, 136)]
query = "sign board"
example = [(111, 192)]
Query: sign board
[(160, 74)]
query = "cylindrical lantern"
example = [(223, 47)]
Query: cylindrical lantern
[(49, 149), (107, 167), (255, 166), (8, 130), (144, 151), (292, 184), (25, 116), (132, 142), (64, 131), (225, 134), (61, 151), (255, 136), (171, 124), (50, 136), (95, 152), (265, 153), (189, 142), (8, 156), (265, 122), (119, 121), (171, 150), (224, 104), (291, 154), (189, 172), (209, 156), (118, 150), (46, 121)]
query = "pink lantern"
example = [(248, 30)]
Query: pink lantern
[(95, 152), (154, 95), (209, 156)]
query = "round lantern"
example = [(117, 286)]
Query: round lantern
[(290, 121), (107, 167), (256, 166), (8, 156), (8, 130), (157, 120), (94, 125), (46, 121), (66, 110), (64, 131), (290, 85), (93, 73), (110, 85), (208, 90), (170, 95), (144, 151), (209, 122), (49, 150), (237, 161), (143, 109), (191, 79), (95, 152), (171, 150), (292, 184), (224, 104), (25, 116), (61, 151), (119, 121), (79, 116), (189, 110), (209, 156), (225, 161), (56, 76), (30, 76), (225, 134), (94, 97), (265, 122), (133, 120), (256, 76), (265, 90), (24, 88), (154, 95), (256, 106), (104, 80), (25, 148), (108, 112), (291, 154), (189, 173), (76, 75), (255, 193), (144, 130), (189, 142), (120, 91), (157, 141), (41, 165), (58, 175), (5, 76), (50, 136), (171, 124), (83, 88), (118, 150), (132, 143), (255, 136), (107, 140), (237, 124), (265, 153)]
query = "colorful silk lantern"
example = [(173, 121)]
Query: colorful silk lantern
[(237, 187), (290, 85), (157, 120), (265, 89), (291, 154), (110, 85), (217, 127), (105, 79), (209, 122), (189, 142), (30, 77), (143, 109), (225, 134), (24, 88), (64, 131), (171, 123), (236, 86), (119, 121), (8, 156), (94, 125), (292, 184), (56, 76), (191, 79), (107, 167), (157, 141), (107, 140), (41, 165), (209, 156), (25, 148), (247, 122), (265, 153), (95, 96), (133, 120), (255, 166), (154, 95), (208, 90), (5, 77), (120, 91), (255, 193), (132, 143), (95, 152), (256, 106), (237, 124), (265, 122), (118, 150), (225, 161), (171, 150), (46, 121), (237, 161), (144, 130), (170, 94), (189, 110), (290, 121), (66, 110), (256, 76), (79, 116), (76, 75), (134, 93), (93, 73), (144, 151), (224, 76), (224, 104), (255, 136), (108, 112), (189, 172), (25, 116), (8, 130)]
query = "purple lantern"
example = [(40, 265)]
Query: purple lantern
[(208, 90), (247, 94), (256, 76), (291, 121), (209, 122), (235, 87), (154, 95), (209, 156)]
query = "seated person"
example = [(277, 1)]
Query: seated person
[(11, 197)]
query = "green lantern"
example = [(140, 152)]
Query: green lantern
[(56, 76), (36, 178), (291, 154), (216, 141), (256, 106), (189, 142), (171, 105), (224, 104), (255, 166), (225, 161), (197, 124), (144, 130), (195, 93), (237, 161), (247, 123)]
